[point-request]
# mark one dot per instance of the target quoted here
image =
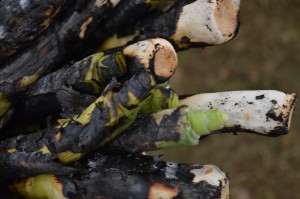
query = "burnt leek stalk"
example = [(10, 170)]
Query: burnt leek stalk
[(156, 55), (72, 138), (264, 112), (93, 73), (23, 21), (71, 38), (186, 24), (126, 14), (73, 88), (129, 176), (41, 48), (169, 128)]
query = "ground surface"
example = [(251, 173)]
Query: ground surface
[(264, 55)]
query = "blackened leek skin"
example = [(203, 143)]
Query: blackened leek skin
[(168, 128), (129, 176), (66, 39), (39, 37), (72, 88), (187, 23), (263, 112), (42, 49), (23, 21), (72, 138), (92, 74)]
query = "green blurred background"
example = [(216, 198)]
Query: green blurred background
[(264, 55)]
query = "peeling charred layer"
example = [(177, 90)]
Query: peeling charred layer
[(121, 174), (74, 30), (155, 25), (145, 131), (82, 139), (68, 77), (16, 165), (126, 13), (138, 85), (21, 142), (74, 85), (81, 136), (69, 35), (136, 139), (142, 135), (150, 187), (42, 111), (57, 46), (85, 139), (77, 28), (23, 21), (137, 176), (25, 66), (67, 88), (168, 128), (72, 102), (127, 162)]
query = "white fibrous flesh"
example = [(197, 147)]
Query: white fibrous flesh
[(266, 112)]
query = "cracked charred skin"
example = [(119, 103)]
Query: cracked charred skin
[(190, 24), (168, 128), (146, 177), (72, 138), (69, 90)]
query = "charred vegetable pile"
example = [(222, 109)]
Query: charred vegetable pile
[(84, 91)]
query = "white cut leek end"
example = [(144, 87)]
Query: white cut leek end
[(265, 112)]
